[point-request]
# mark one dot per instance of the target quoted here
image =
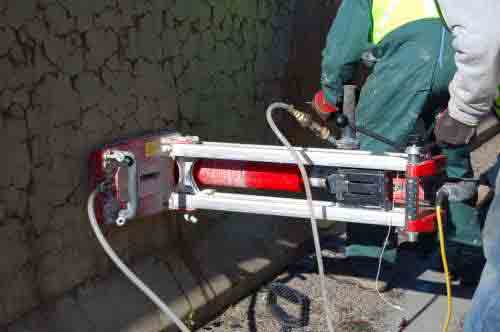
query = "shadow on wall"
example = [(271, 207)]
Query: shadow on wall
[(304, 65), (309, 38)]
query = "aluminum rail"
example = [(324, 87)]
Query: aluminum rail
[(287, 207), (278, 154)]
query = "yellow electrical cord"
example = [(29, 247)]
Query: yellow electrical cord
[(445, 266)]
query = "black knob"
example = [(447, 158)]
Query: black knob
[(128, 161), (415, 139), (341, 121)]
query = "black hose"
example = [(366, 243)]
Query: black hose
[(441, 197), (342, 121), (460, 179), (287, 321), (364, 131)]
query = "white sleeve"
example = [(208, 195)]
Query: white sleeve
[(475, 27)]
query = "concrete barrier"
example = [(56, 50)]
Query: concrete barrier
[(196, 280)]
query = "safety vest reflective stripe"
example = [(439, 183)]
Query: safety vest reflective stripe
[(389, 15)]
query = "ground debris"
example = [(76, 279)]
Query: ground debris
[(353, 309)]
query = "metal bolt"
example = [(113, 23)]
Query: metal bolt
[(121, 221), (412, 237), (190, 218)]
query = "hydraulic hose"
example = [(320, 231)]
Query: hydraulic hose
[(452, 192), (307, 187), (128, 273), (455, 193), (288, 322), (445, 267)]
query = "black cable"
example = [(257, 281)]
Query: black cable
[(459, 179), (341, 121), (287, 321), (378, 137)]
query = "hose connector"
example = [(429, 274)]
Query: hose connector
[(441, 196), (456, 192), (305, 120)]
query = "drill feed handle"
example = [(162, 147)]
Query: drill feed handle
[(126, 160)]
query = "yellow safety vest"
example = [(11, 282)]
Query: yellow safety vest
[(389, 15)]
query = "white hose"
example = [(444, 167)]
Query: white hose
[(307, 187), (379, 271), (128, 273)]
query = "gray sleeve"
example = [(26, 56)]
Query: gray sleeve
[(475, 28)]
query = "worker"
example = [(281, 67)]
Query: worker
[(477, 43), (484, 313), (405, 92)]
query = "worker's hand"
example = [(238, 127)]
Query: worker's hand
[(322, 107), (451, 131)]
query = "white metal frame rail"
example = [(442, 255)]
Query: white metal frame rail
[(278, 206)]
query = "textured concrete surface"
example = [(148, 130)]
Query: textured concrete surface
[(75, 74), (195, 283), (425, 302)]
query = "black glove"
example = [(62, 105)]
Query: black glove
[(451, 131)]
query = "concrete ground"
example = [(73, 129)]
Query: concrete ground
[(418, 290)]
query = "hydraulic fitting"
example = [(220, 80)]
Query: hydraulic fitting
[(306, 121)]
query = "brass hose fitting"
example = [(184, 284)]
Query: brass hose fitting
[(305, 120)]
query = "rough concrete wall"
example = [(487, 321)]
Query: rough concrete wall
[(311, 24), (309, 38), (74, 74)]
